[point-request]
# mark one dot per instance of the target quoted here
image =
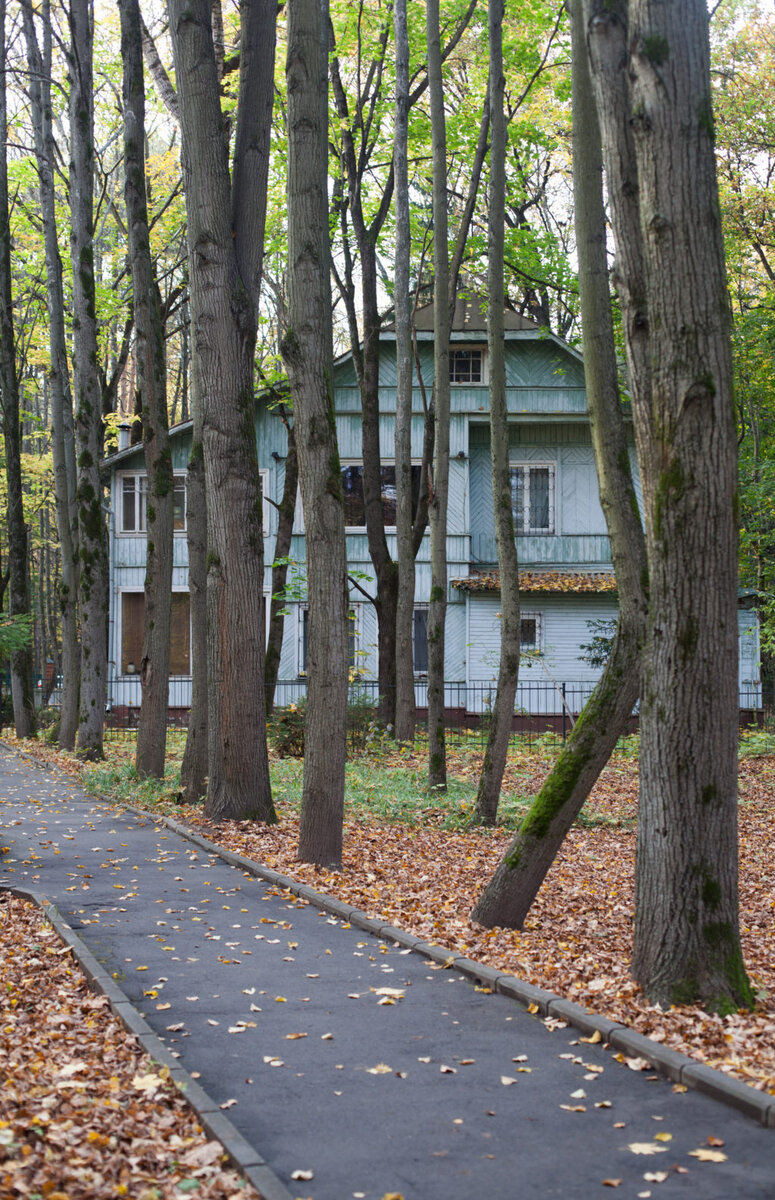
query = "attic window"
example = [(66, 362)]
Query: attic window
[(466, 365)]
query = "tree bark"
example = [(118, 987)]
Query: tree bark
[(62, 435), (437, 609), (92, 546), (308, 354), (18, 554), (495, 753), (405, 699), (286, 514), (686, 938), (194, 769), (152, 391), (225, 230), (508, 896)]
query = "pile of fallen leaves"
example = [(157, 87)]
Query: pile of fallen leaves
[(83, 1113), (577, 940)]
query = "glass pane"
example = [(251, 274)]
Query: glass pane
[(132, 610), (352, 493), (528, 633), (518, 498), (179, 505), (128, 518), (388, 489), (304, 637), (180, 634), (351, 638), (142, 485), (539, 498), (420, 640)]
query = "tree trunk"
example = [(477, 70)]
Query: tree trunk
[(62, 435), (286, 514), (508, 567), (152, 390), (508, 896), (307, 351), (92, 546), (437, 609), (686, 938), (193, 769), (226, 231), (405, 700)]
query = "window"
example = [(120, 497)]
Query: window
[(466, 365), (133, 503), (352, 492), (420, 640), (132, 614), (352, 634), (530, 633), (532, 498)]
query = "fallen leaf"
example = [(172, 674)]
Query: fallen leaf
[(302, 1174), (612, 1182), (380, 1069), (656, 1176), (593, 1041), (445, 1070), (506, 1080), (293, 1037), (706, 1155), (646, 1148), (228, 1104), (663, 1137), (715, 1141)]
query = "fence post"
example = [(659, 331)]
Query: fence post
[(564, 713)]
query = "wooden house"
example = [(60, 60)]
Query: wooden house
[(568, 590)]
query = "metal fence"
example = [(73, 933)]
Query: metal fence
[(543, 708)]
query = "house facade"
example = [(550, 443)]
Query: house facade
[(568, 590)]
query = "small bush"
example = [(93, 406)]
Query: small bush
[(286, 730)]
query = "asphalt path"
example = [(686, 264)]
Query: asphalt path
[(338, 1054)]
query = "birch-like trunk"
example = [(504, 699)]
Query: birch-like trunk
[(92, 544), (226, 217), (18, 560), (508, 896), (308, 354), (62, 435), (508, 567), (405, 700), (152, 391), (437, 509)]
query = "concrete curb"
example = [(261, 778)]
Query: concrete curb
[(670, 1063), (217, 1125)]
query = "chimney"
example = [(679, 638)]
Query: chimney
[(123, 436)]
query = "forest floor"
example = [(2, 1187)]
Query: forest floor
[(415, 862)]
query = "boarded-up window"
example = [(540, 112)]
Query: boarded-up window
[(132, 613)]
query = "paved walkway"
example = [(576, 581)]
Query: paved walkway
[(446, 1093)]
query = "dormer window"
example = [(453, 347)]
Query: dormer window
[(466, 365)]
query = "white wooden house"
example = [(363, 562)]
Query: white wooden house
[(566, 576)]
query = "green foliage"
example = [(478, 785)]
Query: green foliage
[(598, 650), (15, 634)]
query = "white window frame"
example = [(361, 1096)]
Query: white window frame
[(538, 647), (119, 625), (530, 530), (266, 508), (355, 608), (141, 503), (458, 347), (355, 462)]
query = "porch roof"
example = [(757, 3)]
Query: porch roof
[(541, 581)]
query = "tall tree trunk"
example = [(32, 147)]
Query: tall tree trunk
[(152, 390), (62, 435), (503, 710), (226, 218), (286, 513), (437, 610), (686, 939), (307, 351), (405, 700), (92, 546), (18, 562), (508, 896), (193, 769)]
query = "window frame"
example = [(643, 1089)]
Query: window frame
[(421, 675), (464, 348), (353, 462), (538, 648), (551, 467), (142, 508), (140, 591)]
